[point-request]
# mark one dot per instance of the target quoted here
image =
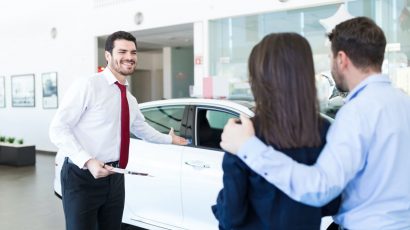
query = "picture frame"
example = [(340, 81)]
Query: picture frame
[(50, 90), (2, 92), (23, 91)]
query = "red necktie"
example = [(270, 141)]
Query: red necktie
[(125, 126)]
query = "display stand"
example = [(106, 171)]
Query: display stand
[(17, 155)]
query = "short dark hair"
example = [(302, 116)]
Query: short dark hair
[(362, 40), (119, 35), (282, 79)]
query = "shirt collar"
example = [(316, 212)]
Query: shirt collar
[(109, 76), (376, 78)]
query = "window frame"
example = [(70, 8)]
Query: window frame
[(195, 126)]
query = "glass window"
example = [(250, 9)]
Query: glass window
[(209, 126), (218, 119), (164, 118), (231, 40)]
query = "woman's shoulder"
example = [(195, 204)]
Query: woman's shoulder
[(324, 126)]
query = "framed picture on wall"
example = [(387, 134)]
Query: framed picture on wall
[(50, 94), (2, 92), (23, 90)]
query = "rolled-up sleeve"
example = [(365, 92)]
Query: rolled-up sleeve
[(67, 116)]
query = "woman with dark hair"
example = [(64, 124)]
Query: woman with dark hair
[(282, 79)]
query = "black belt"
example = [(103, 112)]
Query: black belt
[(114, 164)]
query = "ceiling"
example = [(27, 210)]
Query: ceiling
[(156, 39)]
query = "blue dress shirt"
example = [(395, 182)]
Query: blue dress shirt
[(366, 158)]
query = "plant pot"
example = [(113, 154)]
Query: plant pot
[(17, 155)]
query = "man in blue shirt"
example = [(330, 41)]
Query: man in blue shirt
[(367, 155)]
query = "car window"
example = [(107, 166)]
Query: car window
[(162, 118), (209, 126), (218, 119)]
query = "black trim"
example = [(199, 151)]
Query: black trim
[(57, 195), (189, 124), (194, 121)]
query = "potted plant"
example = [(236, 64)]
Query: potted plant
[(11, 140)]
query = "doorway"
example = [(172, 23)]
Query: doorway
[(165, 62), (147, 85)]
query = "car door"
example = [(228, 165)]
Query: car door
[(202, 166), (156, 199)]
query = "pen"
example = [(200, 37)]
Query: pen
[(137, 173), (124, 171)]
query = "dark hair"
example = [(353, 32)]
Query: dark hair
[(362, 41), (119, 35), (282, 79)]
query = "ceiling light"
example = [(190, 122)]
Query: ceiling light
[(138, 18)]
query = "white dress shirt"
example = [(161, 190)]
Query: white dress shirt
[(367, 158), (88, 122)]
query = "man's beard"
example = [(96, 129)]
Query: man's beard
[(341, 88), (339, 81), (125, 72)]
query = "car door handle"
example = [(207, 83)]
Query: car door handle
[(197, 164)]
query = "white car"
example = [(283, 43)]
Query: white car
[(183, 181)]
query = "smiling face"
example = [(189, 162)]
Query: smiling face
[(123, 59)]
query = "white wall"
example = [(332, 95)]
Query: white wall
[(26, 45), (27, 48)]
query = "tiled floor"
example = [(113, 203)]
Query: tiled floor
[(27, 200)]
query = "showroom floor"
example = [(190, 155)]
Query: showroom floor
[(27, 199)]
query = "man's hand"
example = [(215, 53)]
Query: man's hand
[(235, 134), (177, 140), (98, 169)]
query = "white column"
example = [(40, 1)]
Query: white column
[(166, 61), (201, 54)]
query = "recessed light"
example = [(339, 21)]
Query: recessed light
[(138, 18), (53, 33)]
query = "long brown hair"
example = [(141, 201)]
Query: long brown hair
[(282, 79)]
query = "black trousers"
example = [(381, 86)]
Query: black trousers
[(89, 203)]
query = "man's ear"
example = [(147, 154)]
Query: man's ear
[(342, 59), (107, 56)]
